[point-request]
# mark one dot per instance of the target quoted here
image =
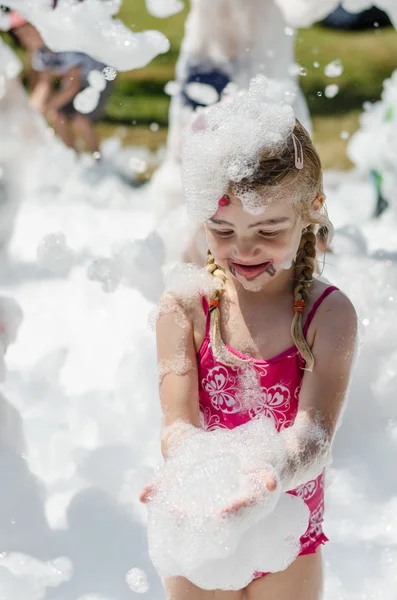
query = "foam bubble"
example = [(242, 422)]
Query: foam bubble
[(201, 93), (164, 8), (87, 100), (137, 581), (97, 80), (53, 253), (109, 73), (334, 68), (106, 272), (331, 90)]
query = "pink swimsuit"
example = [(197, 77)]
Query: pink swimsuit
[(281, 379)]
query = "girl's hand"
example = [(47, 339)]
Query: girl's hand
[(147, 493), (264, 481), (149, 490)]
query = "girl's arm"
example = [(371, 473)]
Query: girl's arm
[(177, 365), (71, 85), (42, 91), (308, 442)]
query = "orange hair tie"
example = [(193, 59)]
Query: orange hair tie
[(213, 304), (299, 306)]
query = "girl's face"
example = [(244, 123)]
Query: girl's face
[(255, 249)]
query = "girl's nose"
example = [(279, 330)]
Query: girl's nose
[(245, 251)]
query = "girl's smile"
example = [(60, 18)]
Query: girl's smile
[(252, 271)]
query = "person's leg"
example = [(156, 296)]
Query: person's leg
[(179, 588), (84, 128), (61, 125), (302, 580)]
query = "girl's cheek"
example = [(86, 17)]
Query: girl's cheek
[(287, 261)]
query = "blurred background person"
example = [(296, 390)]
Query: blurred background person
[(57, 102)]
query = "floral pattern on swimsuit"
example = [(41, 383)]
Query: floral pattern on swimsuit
[(280, 382)]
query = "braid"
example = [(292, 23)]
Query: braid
[(305, 263), (218, 347)]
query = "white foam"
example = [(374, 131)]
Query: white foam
[(374, 146), (334, 68), (205, 473), (54, 254), (331, 90), (228, 149), (201, 93), (187, 281), (164, 8), (109, 73), (27, 578), (86, 101), (89, 27), (97, 80), (137, 581)]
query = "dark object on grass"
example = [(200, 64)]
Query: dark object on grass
[(213, 77), (381, 203), (368, 19)]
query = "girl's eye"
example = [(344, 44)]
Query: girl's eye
[(269, 234), (225, 233)]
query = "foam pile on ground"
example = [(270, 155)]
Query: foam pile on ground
[(229, 147), (89, 27), (374, 146), (10, 65), (205, 473)]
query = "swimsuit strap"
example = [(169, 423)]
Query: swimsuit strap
[(326, 292), (206, 310)]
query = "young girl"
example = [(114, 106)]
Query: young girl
[(296, 331)]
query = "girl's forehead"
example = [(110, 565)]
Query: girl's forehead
[(231, 206)]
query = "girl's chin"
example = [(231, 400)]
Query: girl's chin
[(256, 285)]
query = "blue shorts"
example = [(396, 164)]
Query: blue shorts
[(214, 77)]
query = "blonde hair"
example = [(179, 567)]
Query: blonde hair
[(275, 171)]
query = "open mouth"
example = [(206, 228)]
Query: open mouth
[(251, 272)]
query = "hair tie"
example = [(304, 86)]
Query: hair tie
[(299, 306), (213, 304)]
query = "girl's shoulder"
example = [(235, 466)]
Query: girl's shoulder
[(175, 302), (331, 308), (185, 312)]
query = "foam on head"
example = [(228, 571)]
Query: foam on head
[(228, 150)]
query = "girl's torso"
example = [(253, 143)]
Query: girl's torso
[(268, 383)]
